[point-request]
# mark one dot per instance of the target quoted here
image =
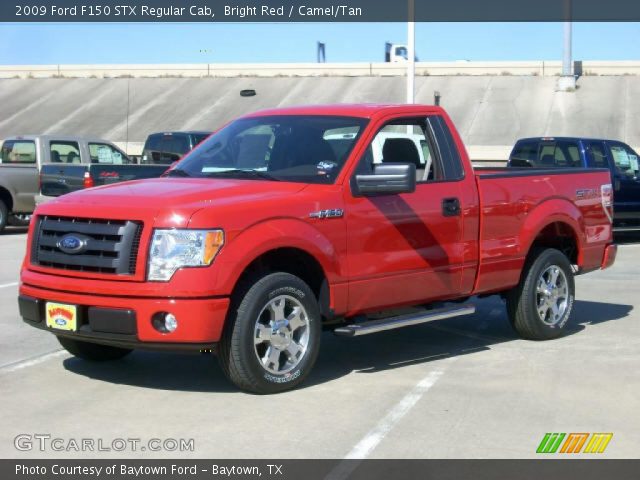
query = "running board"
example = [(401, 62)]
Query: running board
[(626, 229), (390, 323)]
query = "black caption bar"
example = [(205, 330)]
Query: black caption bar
[(548, 469), (318, 10)]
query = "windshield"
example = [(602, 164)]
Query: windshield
[(308, 149)]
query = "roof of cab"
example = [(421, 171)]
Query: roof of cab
[(366, 110)]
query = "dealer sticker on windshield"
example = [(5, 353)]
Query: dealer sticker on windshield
[(61, 316)]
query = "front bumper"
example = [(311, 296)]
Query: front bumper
[(127, 321)]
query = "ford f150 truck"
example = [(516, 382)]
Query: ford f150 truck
[(286, 222), (570, 152)]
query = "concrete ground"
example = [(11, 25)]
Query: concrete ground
[(460, 388)]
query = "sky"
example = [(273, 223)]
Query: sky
[(99, 43)]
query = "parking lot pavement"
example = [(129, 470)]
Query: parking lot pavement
[(463, 387)]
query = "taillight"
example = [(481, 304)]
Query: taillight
[(88, 180), (606, 194)]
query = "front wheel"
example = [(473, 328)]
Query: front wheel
[(539, 307), (272, 338), (92, 351)]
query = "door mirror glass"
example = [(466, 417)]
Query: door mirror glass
[(387, 179)]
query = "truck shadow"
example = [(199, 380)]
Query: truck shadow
[(339, 356), (14, 231)]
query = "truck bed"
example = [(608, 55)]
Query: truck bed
[(57, 180), (516, 204)]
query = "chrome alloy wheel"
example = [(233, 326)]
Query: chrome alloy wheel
[(552, 295), (281, 336)]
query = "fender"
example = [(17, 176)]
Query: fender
[(269, 235), (552, 210)]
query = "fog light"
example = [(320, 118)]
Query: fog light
[(165, 322)]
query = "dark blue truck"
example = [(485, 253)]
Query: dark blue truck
[(572, 152)]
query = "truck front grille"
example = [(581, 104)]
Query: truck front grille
[(109, 246)]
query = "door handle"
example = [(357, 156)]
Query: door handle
[(451, 207)]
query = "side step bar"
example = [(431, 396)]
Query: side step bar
[(390, 323), (626, 229)]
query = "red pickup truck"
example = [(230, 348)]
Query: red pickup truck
[(287, 222)]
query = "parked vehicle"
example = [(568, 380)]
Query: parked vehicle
[(574, 152), (22, 158), (263, 236), (60, 179), (168, 147)]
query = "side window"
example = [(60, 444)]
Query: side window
[(106, 154), (524, 154), (597, 155), (449, 156), (567, 154), (547, 155), (64, 152), (404, 141), (151, 152), (18, 152), (625, 159), (172, 147)]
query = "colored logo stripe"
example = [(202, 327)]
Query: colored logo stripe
[(574, 442), (550, 443), (598, 442)]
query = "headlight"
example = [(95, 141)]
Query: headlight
[(175, 249)]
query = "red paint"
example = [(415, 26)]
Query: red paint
[(386, 251)]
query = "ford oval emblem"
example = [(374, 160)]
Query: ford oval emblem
[(61, 321), (72, 243)]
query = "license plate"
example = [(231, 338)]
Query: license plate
[(61, 316)]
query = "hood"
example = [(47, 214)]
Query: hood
[(165, 197)]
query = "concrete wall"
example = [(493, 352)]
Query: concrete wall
[(490, 111), (541, 68)]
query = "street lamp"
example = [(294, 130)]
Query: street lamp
[(411, 52)]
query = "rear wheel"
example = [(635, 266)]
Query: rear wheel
[(4, 215), (273, 333), (92, 351), (540, 306)]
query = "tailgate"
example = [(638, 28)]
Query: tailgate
[(60, 179), (107, 174)]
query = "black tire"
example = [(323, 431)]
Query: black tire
[(237, 354), (523, 300), (92, 352), (4, 215)]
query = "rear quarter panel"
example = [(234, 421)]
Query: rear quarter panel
[(517, 207)]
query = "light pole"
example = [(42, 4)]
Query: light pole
[(567, 81), (411, 52)]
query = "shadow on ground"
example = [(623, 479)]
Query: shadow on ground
[(14, 231), (340, 356), (627, 238)]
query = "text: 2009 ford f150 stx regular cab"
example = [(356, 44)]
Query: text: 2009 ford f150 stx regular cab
[(288, 221)]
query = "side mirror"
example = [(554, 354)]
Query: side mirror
[(387, 179)]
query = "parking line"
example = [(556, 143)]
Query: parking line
[(7, 285), (372, 439), (30, 362)]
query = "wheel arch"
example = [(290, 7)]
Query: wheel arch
[(303, 251), (6, 197)]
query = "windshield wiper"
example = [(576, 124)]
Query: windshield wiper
[(243, 174)]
